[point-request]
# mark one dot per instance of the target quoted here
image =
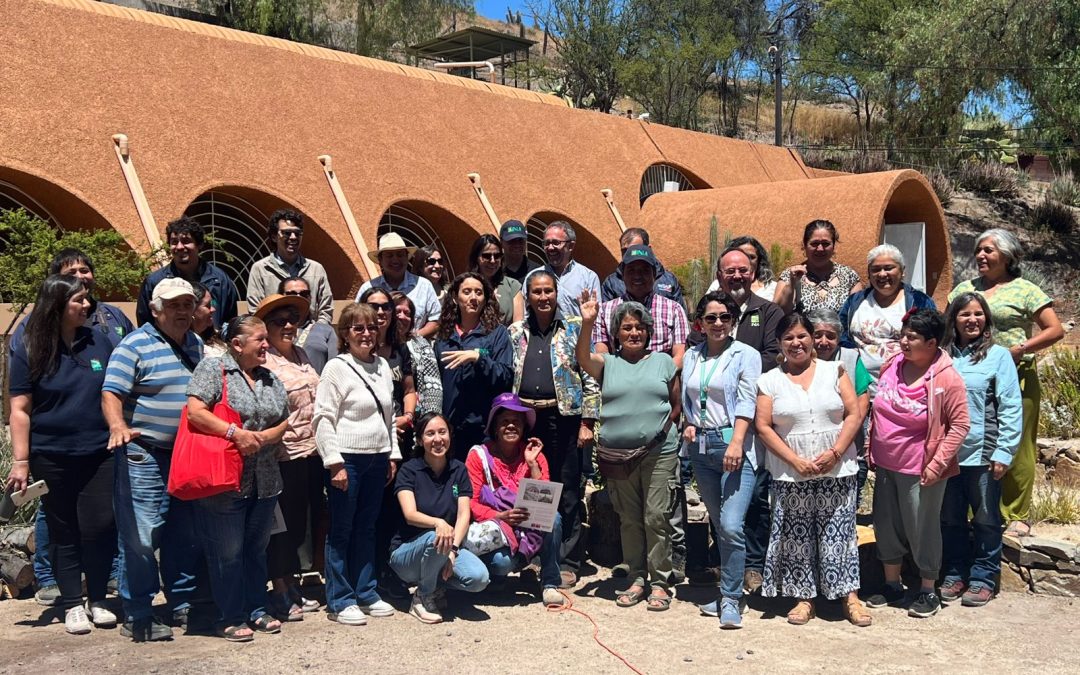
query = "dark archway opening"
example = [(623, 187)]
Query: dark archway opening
[(237, 218), (662, 177), (422, 223), (589, 250)]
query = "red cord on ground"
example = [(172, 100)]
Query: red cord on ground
[(569, 607)]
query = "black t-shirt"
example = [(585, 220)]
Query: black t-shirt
[(436, 496), (400, 363)]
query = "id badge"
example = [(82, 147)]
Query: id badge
[(701, 444)]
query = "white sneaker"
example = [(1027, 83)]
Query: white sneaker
[(100, 616), (553, 598), (76, 621), (350, 616), (423, 607), (378, 608)]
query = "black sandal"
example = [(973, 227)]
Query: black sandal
[(262, 624), (230, 633)]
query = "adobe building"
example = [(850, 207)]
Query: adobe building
[(114, 117)]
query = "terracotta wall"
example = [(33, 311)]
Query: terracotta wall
[(206, 107)]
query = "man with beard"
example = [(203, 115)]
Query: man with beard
[(758, 319)]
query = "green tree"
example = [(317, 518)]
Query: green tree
[(30, 243), (593, 39), (680, 46), (296, 20)]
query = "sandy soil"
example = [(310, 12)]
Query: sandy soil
[(1014, 633)]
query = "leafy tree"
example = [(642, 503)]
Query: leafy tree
[(680, 46), (593, 39), (30, 243)]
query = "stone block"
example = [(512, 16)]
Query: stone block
[(1059, 550), (1066, 471), (1013, 580), (1027, 558), (1054, 582)]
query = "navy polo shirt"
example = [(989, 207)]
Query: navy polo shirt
[(65, 415), (436, 496), (469, 390)]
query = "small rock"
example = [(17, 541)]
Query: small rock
[(739, 657), (1052, 582), (449, 633), (1012, 542), (687, 659), (476, 640), (1013, 581), (750, 652), (1067, 471)]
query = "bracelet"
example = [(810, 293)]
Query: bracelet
[(836, 453), (20, 461), (231, 432)]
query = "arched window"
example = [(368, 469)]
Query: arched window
[(236, 233), (415, 229), (665, 178)]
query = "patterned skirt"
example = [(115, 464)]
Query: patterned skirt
[(812, 545)]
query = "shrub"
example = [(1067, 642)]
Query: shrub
[(943, 187), (1054, 502), (988, 178), (1052, 216), (695, 277), (1060, 409), (865, 162), (1065, 189)]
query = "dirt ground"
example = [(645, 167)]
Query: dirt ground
[(1014, 633)]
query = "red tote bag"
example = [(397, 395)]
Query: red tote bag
[(204, 465)]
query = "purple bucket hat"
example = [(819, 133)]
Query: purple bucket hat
[(510, 402)]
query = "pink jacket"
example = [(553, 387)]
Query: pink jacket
[(948, 420)]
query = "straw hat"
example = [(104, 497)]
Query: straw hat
[(391, 241)]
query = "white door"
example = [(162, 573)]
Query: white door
[(910, 238)]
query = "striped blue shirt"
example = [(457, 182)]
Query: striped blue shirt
[(152, 380)]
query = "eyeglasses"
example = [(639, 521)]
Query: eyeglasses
[(491, 257), (819, 244), (555, 243), (302, 294), (360, 328), (710, 319), (383, 306), (735, 271), (289, 234), (433, 261)]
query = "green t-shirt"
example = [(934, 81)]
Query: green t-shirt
[(508, 289), (635, 401), (862, 378), (1013, 307)]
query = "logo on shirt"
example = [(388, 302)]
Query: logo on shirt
[(755, 319), (119, 330), (95, 365), (454, 490)]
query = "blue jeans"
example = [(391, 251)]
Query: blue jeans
[(974, 488), (350, 542), (43, 571), (417, 562), (147, 519), (727, 496), (235, 531), (500, 563)]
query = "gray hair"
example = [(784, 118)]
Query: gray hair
[(889, 250), (566, 227), (1009, 246), (825, 316), (157, 306), (631, 308)]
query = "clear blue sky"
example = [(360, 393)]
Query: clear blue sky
[(496, 9)]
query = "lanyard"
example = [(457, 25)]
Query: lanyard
[(706, 379)]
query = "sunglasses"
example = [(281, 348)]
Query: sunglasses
[(384, 306), (289, 234), (283, 321), (710, 319), (302, 294), (360, 328), (433, 261), (491, 257)]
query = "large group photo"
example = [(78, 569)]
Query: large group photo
[(329, 368)]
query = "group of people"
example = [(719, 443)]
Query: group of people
[(387, 451)]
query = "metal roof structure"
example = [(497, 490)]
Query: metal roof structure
[(477, 44)]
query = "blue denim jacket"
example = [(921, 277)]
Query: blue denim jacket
[(576, 391), (739, 378), (995, 405)]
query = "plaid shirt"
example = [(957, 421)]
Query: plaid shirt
[(670, 326)]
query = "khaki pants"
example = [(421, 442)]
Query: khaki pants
[(644, 501)]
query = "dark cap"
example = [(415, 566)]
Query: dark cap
[(640, 253), (511, 230)]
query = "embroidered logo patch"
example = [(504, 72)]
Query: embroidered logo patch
[(454, 490), (119, 330), (755, 320), (95, 365)]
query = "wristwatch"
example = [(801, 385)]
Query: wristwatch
[(455, 548)]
